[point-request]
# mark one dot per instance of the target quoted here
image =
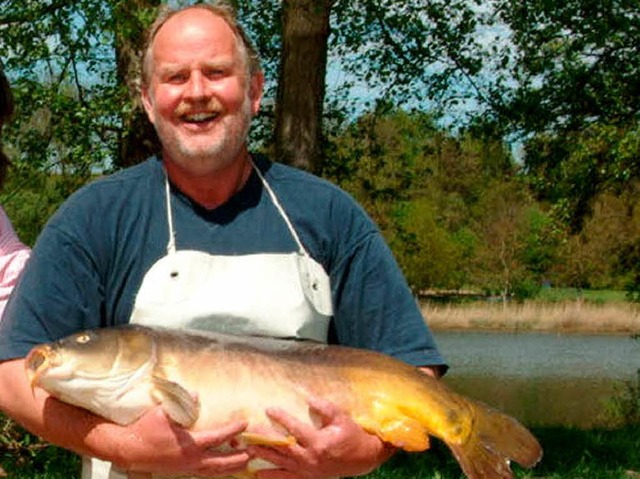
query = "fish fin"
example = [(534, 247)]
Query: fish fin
[(495, 440), (176, 401), (405, 433), (256, 439), (391, 424)]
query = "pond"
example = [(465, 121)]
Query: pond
[(542, 379)]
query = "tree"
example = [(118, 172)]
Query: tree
[(138, 138), (503, 231), (301, 85), (576, 70), (75, 62), (73, 66)]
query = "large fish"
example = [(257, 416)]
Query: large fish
[(119, 373)]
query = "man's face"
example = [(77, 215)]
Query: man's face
[(199, 96)]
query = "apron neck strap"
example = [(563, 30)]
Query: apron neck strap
[(171, 245), (280, 209)]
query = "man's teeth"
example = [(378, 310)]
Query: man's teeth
[(200, 117)]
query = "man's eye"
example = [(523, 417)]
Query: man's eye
[(215, 73), (177, 78)]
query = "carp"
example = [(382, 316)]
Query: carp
[(203, 380)]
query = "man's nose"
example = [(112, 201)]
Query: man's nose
[(196, 87)]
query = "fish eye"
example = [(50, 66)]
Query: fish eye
[(83, 338)]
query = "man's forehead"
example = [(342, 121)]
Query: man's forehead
[(193, 37), (194, 21)]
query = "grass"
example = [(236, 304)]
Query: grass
[(568, 453), (562, 315), (596, 296)]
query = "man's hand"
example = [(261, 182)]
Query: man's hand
[(154, 444), (340, 447)]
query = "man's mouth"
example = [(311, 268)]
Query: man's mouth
[(200, 117)]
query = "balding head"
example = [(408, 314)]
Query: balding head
[(223, 11)]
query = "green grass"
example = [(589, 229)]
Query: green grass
[(48, 462), (590, 295), (568, 453)]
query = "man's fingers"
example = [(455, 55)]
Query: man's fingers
[(300, 430), (220, 435), (225, 463), (325, 410)]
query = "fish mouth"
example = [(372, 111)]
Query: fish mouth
[(38, 361)]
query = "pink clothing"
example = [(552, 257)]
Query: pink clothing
[(13, 256)]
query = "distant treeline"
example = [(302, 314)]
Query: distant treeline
[(460, 212), (457, 211)]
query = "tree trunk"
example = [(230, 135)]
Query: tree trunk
[(301, 83), (138, 140)]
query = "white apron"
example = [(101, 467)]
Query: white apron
[(277, 294)]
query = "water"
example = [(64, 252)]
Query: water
[(542, 379)]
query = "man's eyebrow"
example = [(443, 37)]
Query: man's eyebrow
[(170, 67)]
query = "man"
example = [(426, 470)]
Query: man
[(208, 236)]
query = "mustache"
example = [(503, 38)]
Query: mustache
[(185, 108)]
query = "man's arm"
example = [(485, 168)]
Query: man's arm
[(151, 444)]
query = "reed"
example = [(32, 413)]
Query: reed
[(575, 316)]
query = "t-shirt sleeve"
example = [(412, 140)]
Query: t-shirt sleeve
[(375, 309)]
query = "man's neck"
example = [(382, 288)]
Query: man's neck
[(212, 189)]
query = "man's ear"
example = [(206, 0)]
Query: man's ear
[(147, 103), (256, 89)]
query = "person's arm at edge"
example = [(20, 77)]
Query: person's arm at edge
[(129, 447)]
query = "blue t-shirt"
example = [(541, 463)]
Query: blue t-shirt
[(89, 261)]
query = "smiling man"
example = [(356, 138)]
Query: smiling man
[(207, 235)]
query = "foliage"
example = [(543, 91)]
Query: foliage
[(24, 455), (558, 295), (455, 205), (452, 208), (31, 197), (422, 52), (576, 63), (603, 254), (572, 168), (572, 96), (598, 454), (60, 59), (624, 407)]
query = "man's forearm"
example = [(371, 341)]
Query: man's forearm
[(152, 444), (56, 422)]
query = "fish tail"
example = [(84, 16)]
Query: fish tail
[(494, 441)]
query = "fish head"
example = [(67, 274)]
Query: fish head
[(91, 368)]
